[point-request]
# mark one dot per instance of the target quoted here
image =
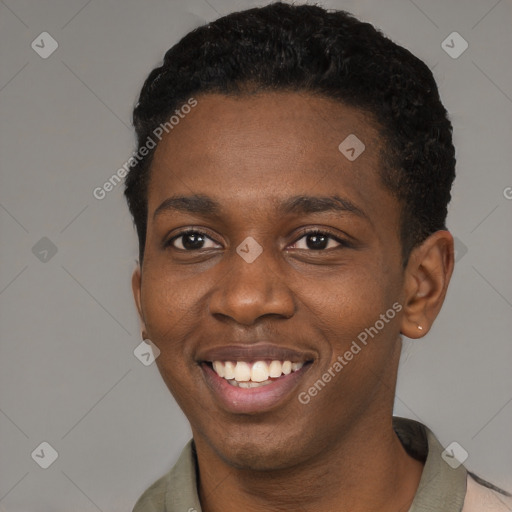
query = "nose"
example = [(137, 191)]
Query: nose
[(250, 291)]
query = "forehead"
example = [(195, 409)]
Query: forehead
[(267, 147)]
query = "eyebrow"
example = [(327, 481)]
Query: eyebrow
[(205, 206), (313, 204), (198, 204)]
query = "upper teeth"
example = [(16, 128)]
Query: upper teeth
[(258, 371)]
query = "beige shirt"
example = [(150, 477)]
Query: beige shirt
[(441, 489)]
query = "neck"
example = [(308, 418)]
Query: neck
[(368, 469)]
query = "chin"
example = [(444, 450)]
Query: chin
[(254, 459), (264, 453)]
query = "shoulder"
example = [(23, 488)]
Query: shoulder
[(484, 497), (153, 498), (176, 490)]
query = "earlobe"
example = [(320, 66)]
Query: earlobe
[(136, 288), (427, 277)]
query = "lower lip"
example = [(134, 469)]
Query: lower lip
[(252, 400)]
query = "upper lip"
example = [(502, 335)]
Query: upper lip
[(256, 352)]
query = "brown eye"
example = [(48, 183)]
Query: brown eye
[(318, 241), (192, 241)]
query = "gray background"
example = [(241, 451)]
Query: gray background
[(68, 375)]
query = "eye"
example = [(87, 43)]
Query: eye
[(317, 241), (192, 240)]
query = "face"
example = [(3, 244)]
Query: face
[(266, 244)]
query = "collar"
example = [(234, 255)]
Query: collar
[(441, 487)]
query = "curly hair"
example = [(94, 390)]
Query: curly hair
[(306, 48)]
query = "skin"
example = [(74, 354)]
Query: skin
[(249, 154)]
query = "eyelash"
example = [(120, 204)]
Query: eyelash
[(303, 233)]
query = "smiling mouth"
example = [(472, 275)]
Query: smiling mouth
[(246, 374)]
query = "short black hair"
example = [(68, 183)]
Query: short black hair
[(306, 48)]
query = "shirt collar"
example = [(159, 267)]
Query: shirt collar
[(442, 487)]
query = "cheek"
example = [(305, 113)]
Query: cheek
[(358, 342), (348, 302), (171, 318), (167, 302), (359, 331), (171, 309)]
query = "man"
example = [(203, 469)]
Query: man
[(290, 194)]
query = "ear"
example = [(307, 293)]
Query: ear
[(136, 287), (427, 276)]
